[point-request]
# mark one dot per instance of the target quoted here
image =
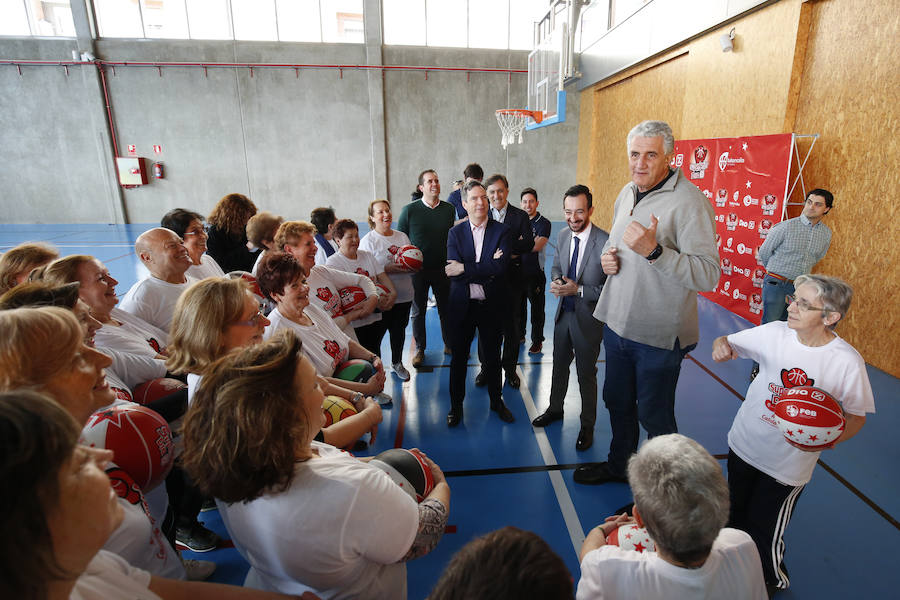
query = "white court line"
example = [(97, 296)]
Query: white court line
[(566, 506)]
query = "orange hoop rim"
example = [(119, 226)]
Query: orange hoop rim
[(537, 115)]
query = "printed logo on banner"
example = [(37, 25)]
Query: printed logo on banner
[(679, 160), (735, 199), (726, 161), (758, 276), (699, 162), (755, 304), (750, 200), (726, 266), (769, 203), (728, 244), (721, 197), (764, 226), (731, 221)]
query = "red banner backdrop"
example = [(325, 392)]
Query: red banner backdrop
[(745, 179)]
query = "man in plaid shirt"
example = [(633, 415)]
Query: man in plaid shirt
[(791, 249)]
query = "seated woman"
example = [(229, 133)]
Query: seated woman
[(305, 515), (189, 227), (216, 316), (349, 258), (44, 350), (227, 242), (120, 331), (64, 507), (261, 230), (766, 472), (283, 280), (16, 263), (296, 238), (379, 242)]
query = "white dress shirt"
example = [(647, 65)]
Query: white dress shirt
[(476, 291)]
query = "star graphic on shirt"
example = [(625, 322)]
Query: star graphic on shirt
[(744, 145), (748, 184)]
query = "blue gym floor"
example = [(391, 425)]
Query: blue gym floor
[(841, 542)]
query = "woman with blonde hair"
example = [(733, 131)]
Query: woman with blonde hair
[(16, 263), (306, 516), (380, 242), (216, 316), (227, 242)]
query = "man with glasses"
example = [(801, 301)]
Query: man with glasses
[(576, 279), (661, 252), (153, 298)]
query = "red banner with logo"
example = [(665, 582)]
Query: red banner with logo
[(745, 179)]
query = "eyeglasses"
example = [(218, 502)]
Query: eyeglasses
[(802, 304), (253, 321), (204, 231)]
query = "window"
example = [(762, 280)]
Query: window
[(498, 24), (254, 20), (36, 17), (298, 21), (342, 21)]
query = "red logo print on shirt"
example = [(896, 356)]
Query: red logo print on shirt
[(361, 271), (332, 348), (124, 486), (790, 378), (393, 249), (154, 344), (324, 294)]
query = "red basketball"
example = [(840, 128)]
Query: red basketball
[(139, 438), (631, 537), (809, 416), (156, 389), (382, 290), (249, 278), (409, 257), (408, 469), (350, 297)]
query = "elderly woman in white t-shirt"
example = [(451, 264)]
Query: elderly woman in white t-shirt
[(306, 516), (65, 508), (284, 280), (383, 242), (349, 258), (189, 227)]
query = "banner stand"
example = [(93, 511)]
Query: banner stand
[(795, 154)]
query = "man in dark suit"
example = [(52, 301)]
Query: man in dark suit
[(521, 241), (477, 260), (577, 279)]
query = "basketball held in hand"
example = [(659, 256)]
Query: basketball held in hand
[(408, 469), (809, 417)]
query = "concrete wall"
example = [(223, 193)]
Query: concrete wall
[(289, 142)]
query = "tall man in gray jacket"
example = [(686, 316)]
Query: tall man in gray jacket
[(661, 252)]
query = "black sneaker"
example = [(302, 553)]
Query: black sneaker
[(197, 538)]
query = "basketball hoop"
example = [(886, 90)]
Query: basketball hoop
[(512, 123)]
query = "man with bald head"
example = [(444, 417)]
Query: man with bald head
[(153, 298)]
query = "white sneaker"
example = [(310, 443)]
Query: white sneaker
[(431, 302), (383, 400), (401, 371), (198, 570)]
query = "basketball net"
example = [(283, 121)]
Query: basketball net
[(512, 123)]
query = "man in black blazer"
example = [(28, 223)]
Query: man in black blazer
[(577, 279), (477, 260), (521, 241)]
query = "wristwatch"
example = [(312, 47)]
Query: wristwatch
[(657, 252)]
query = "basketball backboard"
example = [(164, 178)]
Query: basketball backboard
[(552, 62)]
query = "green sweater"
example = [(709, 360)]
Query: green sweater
[(427, 229)]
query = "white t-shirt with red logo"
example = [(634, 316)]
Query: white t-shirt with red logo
[(784, 363), (380, 246), (324, 283), (363, 264), (324, 344)]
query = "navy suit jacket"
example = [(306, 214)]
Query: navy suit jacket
[(490, 272), (521, 237)]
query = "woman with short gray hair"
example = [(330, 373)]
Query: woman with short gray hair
[(766, 471)]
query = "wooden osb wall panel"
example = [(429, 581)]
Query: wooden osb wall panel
[(744, 92), (848, 95), (616, 109)]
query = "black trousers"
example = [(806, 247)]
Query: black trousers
[(370, 336), (534, 293), (438, 281), (477, 315), (395, 321)]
